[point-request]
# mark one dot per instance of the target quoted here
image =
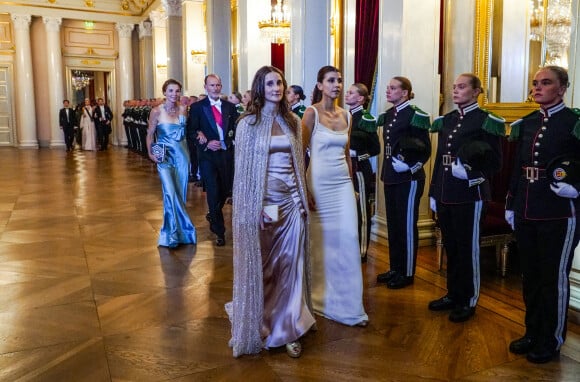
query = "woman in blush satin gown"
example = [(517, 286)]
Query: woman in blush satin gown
[(337, 288), (167, 122), (271, 295), (87, 125)]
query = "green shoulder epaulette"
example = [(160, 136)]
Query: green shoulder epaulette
[(368, 123), (240, 109), (437, 124), (381, 120), (515, 130), (420, 119), (576, 129), (494, 124)]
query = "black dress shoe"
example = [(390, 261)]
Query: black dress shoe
[(542, 354), (386, 277), (399, 282), (522, 345), (461, 313), (220, 242), (444, 303)]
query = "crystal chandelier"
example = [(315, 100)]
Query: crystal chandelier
[(552, 25), (80, 79), (276, 28)]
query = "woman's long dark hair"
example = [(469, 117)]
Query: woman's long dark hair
[(258, 97), (317, 93)]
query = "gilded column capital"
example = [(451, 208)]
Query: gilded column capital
[(173, 7), (21, 21), (124, 30), (52, 24), (145, 29), (158, 19)]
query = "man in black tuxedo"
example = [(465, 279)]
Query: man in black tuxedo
[(211, 124), (102, 117), (67, 121)]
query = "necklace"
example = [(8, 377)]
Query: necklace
[(170, 110)]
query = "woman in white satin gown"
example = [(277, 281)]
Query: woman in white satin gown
[(337, 288), (271, 303), (87, 125)]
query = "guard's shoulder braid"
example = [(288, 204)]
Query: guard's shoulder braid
[(494, 124), (437, 124), (420, 119)]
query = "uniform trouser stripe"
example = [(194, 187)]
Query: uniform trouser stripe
[(563, 282), (362, 201), (410, 228), (475, 252)]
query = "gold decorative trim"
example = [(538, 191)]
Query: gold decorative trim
[(84, 9), (482, 35)]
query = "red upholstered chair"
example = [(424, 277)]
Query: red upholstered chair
[(495, 232)]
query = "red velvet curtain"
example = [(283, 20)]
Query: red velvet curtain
[(277, 56), (366, 41)]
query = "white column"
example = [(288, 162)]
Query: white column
[(174, 39), (146, 60), (26, 120), (124, 79), (55, 78), (195, 40), (310, 42), (159, 20), (409, 46), (218, 41), (254, 51)]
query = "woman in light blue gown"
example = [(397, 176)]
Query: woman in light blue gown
[(167, 122)]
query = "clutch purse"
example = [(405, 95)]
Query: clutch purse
[(272, 211), (158, 150)]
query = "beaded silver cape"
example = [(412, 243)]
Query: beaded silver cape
[(251, 162)]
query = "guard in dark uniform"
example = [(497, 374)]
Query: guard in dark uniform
[(403, 177), (364, 144), (295, 96), (457, 193), (542, 205)]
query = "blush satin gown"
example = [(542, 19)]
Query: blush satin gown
[(177, 227), (286, 315)]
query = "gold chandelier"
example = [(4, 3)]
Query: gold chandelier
[(80, 79), (277, 27)]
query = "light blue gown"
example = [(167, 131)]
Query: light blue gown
[(177, 227)]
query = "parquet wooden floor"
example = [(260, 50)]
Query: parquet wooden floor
[(86, 295)]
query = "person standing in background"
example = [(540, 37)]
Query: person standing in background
[(88, 127), (407, 148), (103, 116), (542, 207), (295, 96), (364, 144), (68, 122), (457, 193)]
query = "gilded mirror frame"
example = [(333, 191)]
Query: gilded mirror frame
[(511, 111)]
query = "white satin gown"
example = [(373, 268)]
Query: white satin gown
[(337, 288)]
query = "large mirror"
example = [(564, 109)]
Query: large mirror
[(513, 39)]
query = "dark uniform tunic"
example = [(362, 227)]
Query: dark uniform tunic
[(364, 143), (459, 201), (545, 224), (403, 190)]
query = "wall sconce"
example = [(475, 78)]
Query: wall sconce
[(198, 56)]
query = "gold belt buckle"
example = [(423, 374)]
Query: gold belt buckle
[(532, 173), (447, 159)]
